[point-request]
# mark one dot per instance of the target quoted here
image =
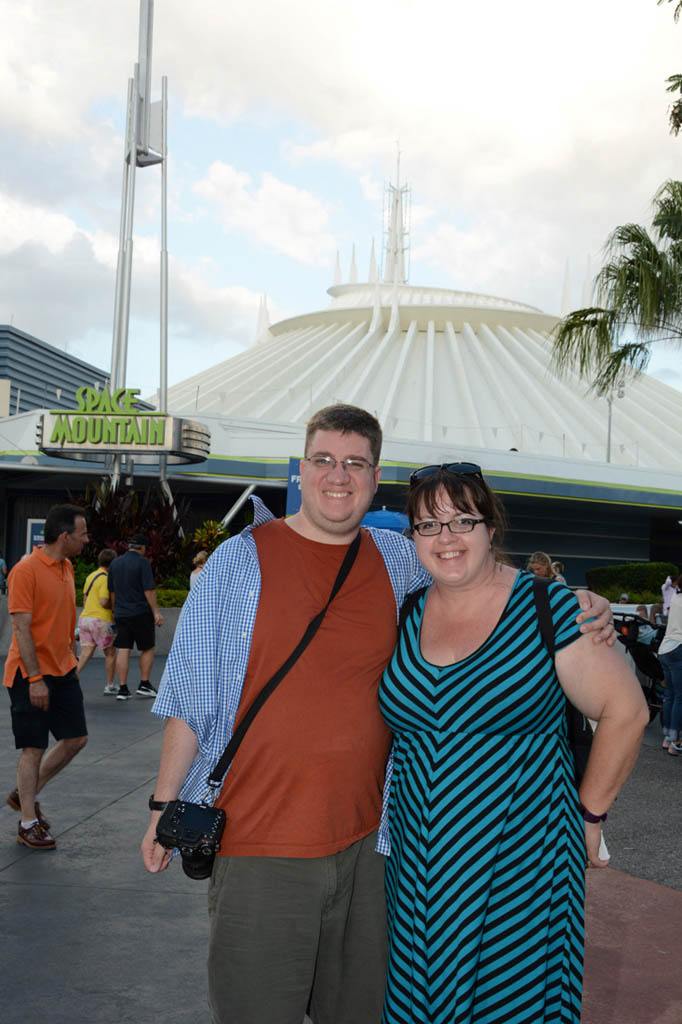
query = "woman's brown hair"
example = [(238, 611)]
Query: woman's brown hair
[(469, 494)]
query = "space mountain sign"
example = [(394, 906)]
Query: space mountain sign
[(110, 423)]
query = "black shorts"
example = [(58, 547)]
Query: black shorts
[(135, 629), (64, 718)]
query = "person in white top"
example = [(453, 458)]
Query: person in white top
[(199, 561), (670, 657), (668, 589)]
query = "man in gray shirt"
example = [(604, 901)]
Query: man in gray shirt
[(136, 613)]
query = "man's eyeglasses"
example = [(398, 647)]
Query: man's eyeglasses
[(329, 464), (459, 468), (433, 528)]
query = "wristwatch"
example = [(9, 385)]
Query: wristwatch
[(157, 805), (592, 818)]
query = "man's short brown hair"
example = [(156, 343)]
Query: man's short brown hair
[(347, 419)]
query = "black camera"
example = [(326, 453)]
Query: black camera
[(196, 831)]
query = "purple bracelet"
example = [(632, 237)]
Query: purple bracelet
[(592, 818)]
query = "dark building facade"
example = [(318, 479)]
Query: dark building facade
[(42, 376)]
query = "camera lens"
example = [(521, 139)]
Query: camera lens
[(197, 864)]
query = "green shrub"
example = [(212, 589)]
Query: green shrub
[(612, 594), (82, 568), (176, 581), (641, 581), (167, 598)]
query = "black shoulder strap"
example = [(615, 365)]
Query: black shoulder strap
[(408, 604), (544, 610), (102, 573), (238, 735)]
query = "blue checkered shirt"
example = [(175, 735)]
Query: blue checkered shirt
[(206, 667)]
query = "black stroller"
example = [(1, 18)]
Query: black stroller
[(648, 669)]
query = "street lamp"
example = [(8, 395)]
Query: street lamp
[(620, 393)]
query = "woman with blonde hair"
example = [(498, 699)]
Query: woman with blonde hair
[(199, 561), (540, 564)]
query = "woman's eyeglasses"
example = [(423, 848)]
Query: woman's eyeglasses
[(459, 468), (433, 528)]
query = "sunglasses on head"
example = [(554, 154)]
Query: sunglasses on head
[(458, 468)]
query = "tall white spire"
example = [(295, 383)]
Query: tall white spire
[(373, 275), (353, 276), (337, 269), (396, 234), (263, 323)]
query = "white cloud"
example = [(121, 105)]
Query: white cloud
[(277, 215), (528, 132)]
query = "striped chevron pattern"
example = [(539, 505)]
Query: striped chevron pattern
[(485, 881)]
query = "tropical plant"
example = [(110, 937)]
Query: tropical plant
[(639, 289), (209, 535), (674, 81), (114, 515)]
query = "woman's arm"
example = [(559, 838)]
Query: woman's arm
[(600, 683)]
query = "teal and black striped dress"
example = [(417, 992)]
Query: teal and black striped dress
[(485, 881)]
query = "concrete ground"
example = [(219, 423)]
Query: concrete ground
[(90, 938)]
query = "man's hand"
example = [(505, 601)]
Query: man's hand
[(39, 695), (598, 609), (155, 856), (158, 619)]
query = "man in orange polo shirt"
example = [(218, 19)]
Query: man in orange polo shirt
[(40, 670)]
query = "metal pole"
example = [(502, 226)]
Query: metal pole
[(127, 270), (243, 497), (118, 295), (125, 318), (609, 399), (163, 369)]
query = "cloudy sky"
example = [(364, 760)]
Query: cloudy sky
[(528, 131)]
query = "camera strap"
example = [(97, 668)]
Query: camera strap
[(216, 776)]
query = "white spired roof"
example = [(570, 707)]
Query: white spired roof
[(454, 369), (448, 367)]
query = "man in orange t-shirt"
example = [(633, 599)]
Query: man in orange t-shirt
[(40, 668)]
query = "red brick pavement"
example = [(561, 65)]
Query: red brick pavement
[(633, 951)]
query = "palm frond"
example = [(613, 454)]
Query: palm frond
[(639, 296), (667, 218), (678, 9), (626, 360), (584, 340)]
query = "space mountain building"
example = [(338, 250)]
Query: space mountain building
[(451, 375)]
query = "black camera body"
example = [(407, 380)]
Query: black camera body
[(196, 831)]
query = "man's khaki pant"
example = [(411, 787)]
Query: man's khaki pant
[(290, 935)]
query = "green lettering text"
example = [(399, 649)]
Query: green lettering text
[(61, 432)]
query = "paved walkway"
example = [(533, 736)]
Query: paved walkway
[(90, 938)]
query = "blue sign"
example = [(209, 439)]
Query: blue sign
[(35, 533), (294, 486)]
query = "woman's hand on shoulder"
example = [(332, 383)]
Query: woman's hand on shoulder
[(598, 610)]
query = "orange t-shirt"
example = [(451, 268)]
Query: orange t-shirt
[(307, 780), (44, 588)]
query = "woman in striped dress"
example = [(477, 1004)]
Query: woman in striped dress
[(489, 837)]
